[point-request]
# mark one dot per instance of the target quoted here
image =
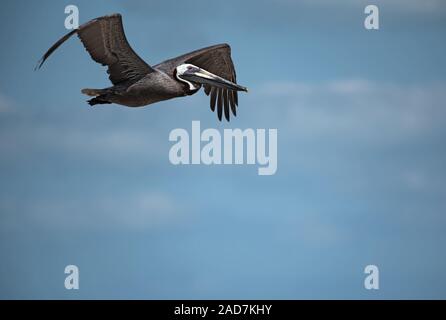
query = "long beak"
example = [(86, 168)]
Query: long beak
[(205, 77)]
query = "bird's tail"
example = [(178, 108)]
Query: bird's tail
[(98, 100), (101, 96), (93, 92)]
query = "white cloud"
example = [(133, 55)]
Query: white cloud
[(350, 86), (315, 231), (149, 209), (122, 210), (356, 109), (28, 130), (415, 179), (98, 142), (112, 142), (6, 105)]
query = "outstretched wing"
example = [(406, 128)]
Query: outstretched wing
[(105, 41), (217, 60)]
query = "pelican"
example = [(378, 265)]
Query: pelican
[(137, 84)]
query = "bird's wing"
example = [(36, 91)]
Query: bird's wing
[(217, 60), (105, 41)]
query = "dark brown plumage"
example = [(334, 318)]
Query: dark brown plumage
[(136, 84)]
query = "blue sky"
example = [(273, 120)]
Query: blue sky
[(361, 121)]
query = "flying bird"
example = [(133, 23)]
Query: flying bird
[(137, 84)]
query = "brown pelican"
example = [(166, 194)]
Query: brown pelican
[(136, 84)]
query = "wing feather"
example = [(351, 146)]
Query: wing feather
[(220, 104), (105, 41), (213, 98), (231, 100), (217, 60), (226, 102)]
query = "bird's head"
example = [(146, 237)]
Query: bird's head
[(182, 72), (195, 77)]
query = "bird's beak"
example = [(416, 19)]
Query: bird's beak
[(202, 76)]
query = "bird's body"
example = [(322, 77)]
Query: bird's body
[(136, 84), (154, 87)]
